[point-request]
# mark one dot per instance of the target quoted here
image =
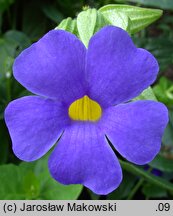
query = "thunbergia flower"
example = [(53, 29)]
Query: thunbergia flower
[(84, 98)]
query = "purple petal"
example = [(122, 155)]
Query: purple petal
[(116, 70), (53, 67), (34, 124), (83, 156), (135, 129)]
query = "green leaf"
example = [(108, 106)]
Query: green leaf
[(52, 12), (12, 43), (115, 17), (164, 91), (171, 116), (147, 94), (7, 49), (4, 143), (89, 22), (10, 181), (153, 191), (86, 22), (139, 17), (51, 189), (162, 49), (19, 39), (31, 186), (164, 4), (33, 181), (100, 22), (33, 20), (69, 25), (168, 136), (5, 4), (129, 18), (163, 164), (147, 176)]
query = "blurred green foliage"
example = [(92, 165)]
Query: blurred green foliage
[(32, 181), (24, 22), (168, 4)]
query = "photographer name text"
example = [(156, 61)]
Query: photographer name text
[(72, 207)]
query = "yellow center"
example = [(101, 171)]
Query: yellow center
[(85, 109)]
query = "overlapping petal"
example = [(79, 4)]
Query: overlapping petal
[(83, 156), (116, 70), (35, 124), (135, 129), (53, 67)]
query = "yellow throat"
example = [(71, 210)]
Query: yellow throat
[(85, 109)]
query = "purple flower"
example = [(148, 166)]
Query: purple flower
[(82, 94), (155, 172)]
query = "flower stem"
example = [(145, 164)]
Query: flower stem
[(135, 189), (137, 186)]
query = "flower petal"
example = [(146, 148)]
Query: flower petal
[(135, 129), (117, 71), (34, 124), (53, 67), (83, 156)]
